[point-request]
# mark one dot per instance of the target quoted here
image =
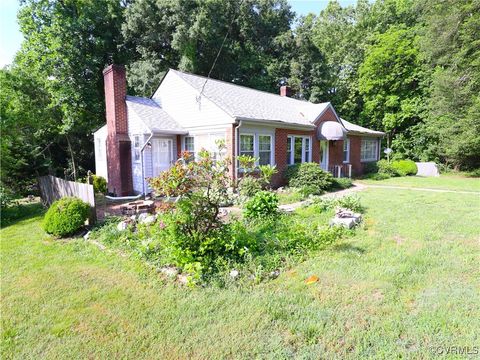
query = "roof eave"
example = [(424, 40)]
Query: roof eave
[(276, 123), (376, 134), (170, 132)]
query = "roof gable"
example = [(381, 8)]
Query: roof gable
[(249, 104)]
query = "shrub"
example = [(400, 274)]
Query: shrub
[(342, 183), (404, 167), (263, 204), (310, 177), (266, 173), (99, 184), (291, 172), (474, 173), (370, 167), (350, 202), (6, 198), (66, 216), (385, 167), (249, 186)]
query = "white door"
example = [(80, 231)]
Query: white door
[(162, 155), (324, 154)]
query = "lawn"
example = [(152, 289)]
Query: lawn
[(407, 282), (446, 182)]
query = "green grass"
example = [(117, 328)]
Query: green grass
[(407, 281), (289, 196), (446, 182)]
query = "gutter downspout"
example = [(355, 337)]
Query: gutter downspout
[(141, 157), (237, 145)]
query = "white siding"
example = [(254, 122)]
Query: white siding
[(100, 146), (138, 186), (181, 102)]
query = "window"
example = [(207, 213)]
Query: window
[(136, 148), (369, 150), (299, 149), (246, 145), (264, 149), (346, 150), (189, 144)]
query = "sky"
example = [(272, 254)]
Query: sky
[(10, 36)]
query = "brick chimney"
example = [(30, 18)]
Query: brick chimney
[(119, 156), (285, 91)]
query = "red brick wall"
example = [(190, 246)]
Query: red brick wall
[(355, 146), (335, 153), (119, 163)]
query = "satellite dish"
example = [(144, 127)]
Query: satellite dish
[(387, 151)]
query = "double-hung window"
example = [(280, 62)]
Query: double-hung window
[(247, 146), (264, 149), (369, 150), (136, 148), (346, 150), (189, 146), (299, 149)]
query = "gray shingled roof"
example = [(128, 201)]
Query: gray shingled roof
[(360, 129), (244, 103), (154, 117)]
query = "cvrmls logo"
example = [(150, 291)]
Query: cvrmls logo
[(456, 350)]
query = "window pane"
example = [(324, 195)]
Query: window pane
[(289, 151), (369, 149), (264, 142), (346, 150), (246, 143), (189, 144), (297, 151), (136, 143), (307, 150), (264, 158)]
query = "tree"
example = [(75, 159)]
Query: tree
[(391, 82), (451, 47), (188, 35), (66, 46)]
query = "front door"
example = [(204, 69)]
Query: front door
[(324, 154), (162, 155)]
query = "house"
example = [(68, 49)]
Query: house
[(144, 136)]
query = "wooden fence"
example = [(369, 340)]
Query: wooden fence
[(53, 188)]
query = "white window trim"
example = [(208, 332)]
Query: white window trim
[(377, 144), (346, 141), (184, 143), (258, 148), (292, 153)]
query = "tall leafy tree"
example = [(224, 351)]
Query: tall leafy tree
[(391, 79), (67, 43), (451, 46), (189, 35)]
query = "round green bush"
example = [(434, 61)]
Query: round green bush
[(405, 167), (262, 204), (385, 167), (311, 176), (66, 216)]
